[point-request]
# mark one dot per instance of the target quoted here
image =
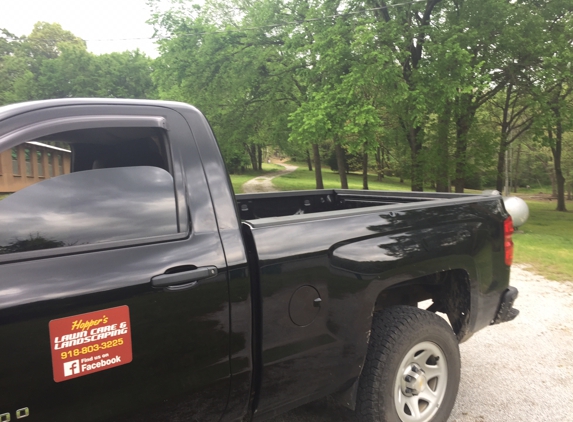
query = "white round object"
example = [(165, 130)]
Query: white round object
[(517, 208)]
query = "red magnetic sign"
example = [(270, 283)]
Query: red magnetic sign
[(88, 343)]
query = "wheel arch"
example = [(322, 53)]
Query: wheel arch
[(450, 293)]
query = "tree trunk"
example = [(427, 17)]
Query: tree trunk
[(382, 161), (460, 155), (442, 151), (260, 156), (317, 166), (365, 171), (341, 162), (551, 172), (516, 170), (499, 179), (463, 125), (415, 148), (504, 142), (556, 150), (560, 187), (379, 164), (252, 151), (308, 160)]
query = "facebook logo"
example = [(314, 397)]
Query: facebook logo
[(71, 368)]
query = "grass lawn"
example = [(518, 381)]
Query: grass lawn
[(237, 180), (534, 189), (302, 179), (545, 241)]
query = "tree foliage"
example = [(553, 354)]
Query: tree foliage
[(53, 63), (436, 91), (407, 78)]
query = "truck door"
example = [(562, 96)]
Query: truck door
[(113, 286)]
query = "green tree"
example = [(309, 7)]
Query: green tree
[(356, 73), (16, 79), (237, 78), (46, 41), (398, 51), (552, 83), (513, 113), (483, 48), (53, 63), (125, 75)]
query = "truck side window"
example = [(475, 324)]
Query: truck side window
[(107, 186)]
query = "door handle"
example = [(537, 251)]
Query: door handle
[(185, 277)]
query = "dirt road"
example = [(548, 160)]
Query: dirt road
[(264, 183)]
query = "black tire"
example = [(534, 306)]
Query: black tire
[(401, 370)]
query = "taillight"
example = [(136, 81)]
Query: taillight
[(507, 241)]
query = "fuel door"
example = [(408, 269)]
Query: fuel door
[(304, 305)]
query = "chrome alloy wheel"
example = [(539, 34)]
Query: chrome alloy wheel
[(421, 382)]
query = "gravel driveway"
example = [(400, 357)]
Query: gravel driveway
[(517, 371)]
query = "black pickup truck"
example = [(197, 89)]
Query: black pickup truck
[(135, 286)]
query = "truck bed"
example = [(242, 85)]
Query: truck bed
[(281, 204), (339, 246)]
